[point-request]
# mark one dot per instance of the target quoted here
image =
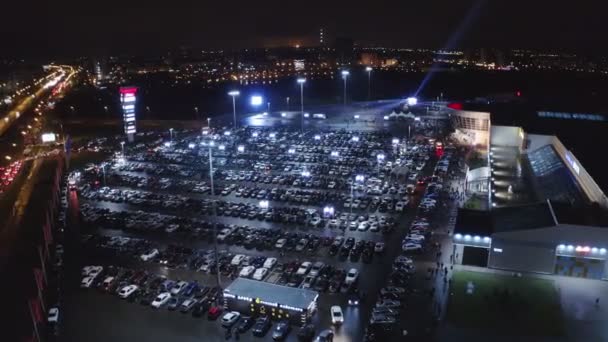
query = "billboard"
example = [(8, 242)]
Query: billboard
[(48, 137), (127, 101)]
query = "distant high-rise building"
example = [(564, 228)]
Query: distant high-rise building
[(321, 37)]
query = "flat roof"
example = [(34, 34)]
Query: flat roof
[(486, 223), (283, 295), (561, 234)]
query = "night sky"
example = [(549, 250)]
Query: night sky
[(64, 27)]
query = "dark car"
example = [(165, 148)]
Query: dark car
[(281, 331), (307, 333), (246, 323), (173, 303), (261, 327), (325, 336), (199, 310)]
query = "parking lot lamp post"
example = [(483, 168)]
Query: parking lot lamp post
[(287, 100), (268, 107), (301, 82), (122, 147), (234, 94), (171, 134), (345, 74), (214, 207), (369, 82)]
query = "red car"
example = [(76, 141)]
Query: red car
[(214, 312)]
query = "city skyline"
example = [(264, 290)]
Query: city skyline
[(68, 29)]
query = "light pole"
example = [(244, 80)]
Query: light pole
[(208, 122), (122, 146), (269, 107), (234, 94), (171, 134), (287, 100), (214, 206), (369, 82), (301, 82), (345, 74)]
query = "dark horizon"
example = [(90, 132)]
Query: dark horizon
[(65, 28)]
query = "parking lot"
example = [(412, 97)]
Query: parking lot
[(349, 214)]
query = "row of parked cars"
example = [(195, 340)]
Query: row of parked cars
[(187, 297)]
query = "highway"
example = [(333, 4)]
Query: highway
[(22, 124)]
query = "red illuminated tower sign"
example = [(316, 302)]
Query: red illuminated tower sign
[(127, 101)]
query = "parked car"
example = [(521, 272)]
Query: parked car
[(246, 323), (127, 291), (281, 331), (230, 318), (161, 300), (261, 326)]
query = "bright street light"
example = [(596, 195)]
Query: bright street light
[(345, 74), (234, 94), (412, 101), (369, 82), (301, 82)]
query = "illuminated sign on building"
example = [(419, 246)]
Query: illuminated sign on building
[(127, 101)]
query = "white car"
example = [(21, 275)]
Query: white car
[(150, 255), (260, 273), (363, 226), (247, 271), (336, 315), (304, 268), (87, 281), (411, 247), (230, 318), (414, 237), (91, 270), (280, 243), (53, 316), (270, 262), (237, 259), (179, 287), (351, 276), (161, 300), (126, 291)]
